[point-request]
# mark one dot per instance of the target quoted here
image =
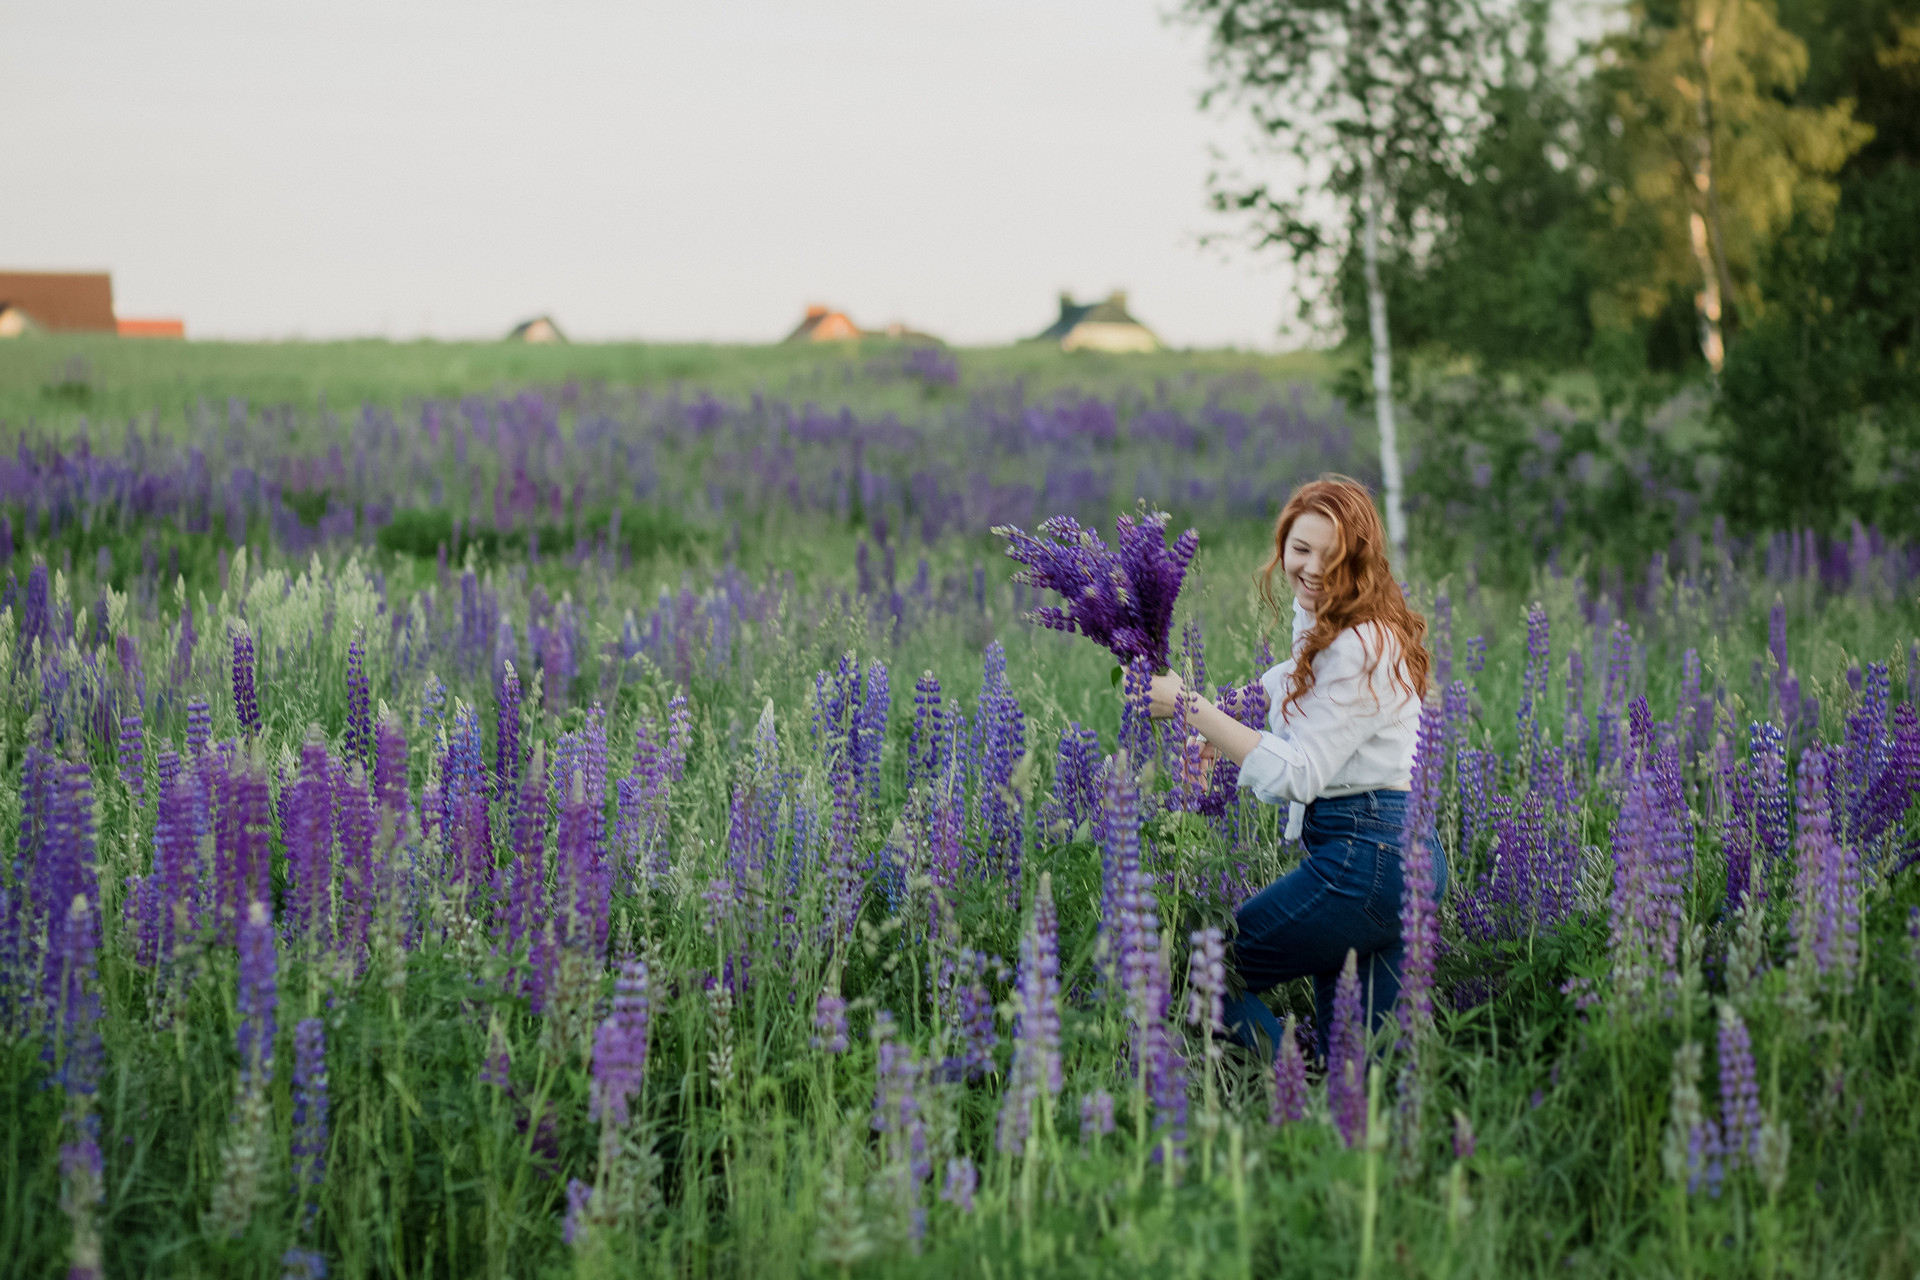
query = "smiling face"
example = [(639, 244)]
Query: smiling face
[(1312, 543)]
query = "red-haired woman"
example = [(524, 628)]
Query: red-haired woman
[(1338, 749)]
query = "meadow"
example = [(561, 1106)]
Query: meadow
[(600, 811)]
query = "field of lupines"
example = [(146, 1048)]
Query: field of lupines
[(613, 831)]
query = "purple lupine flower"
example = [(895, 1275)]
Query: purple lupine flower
[(1119, 833), (1096, 1115), (1121, 600), (963, 1179), (1347, 1056), (1476, 655), (580, 900), (259, 995), (1289, 1078), (870, 732), (1033, 1080), (1738, 839), (620, 1048), (359, 740), (1826, 914), (307, 832), (679, 737), (1773, 803), (830, 1022), (246, 701), (309, 1116), (579, 1205), (1207, 980), (173, 887), (930, 743), (1739, 1093), (64, 874), (1419, 909), (241, 850), (1147, 985), (303, 1264), (77, 1051), (1000, 732), (1648, 887), (1777, 649), (36, 616), (1137, 734), (133, 753), (1533, 677), (1075, 782), (506, 766), (528, 921), (1441, 637), (1193, 655), (465, 822)]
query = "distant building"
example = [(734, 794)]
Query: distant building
[(151, 327), (59, 301), (823, 324), (538, 329), (1098, 326)]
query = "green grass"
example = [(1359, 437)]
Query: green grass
[(53, 381)]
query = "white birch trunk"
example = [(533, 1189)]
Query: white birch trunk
[(1371, 198), (1708, 250)]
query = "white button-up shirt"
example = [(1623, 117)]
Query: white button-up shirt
[(1354, 731)]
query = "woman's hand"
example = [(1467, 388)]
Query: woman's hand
[(1163, 696)]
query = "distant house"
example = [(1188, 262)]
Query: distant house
[(823, 324), (60, 301), (1098, 326), (538, 329)]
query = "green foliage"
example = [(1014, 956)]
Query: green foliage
[(1819, 415), (1507, 479)]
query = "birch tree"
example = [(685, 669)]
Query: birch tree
[(1368, 99), (1716, 150)]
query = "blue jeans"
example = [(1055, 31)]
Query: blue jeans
[(1344, 896)]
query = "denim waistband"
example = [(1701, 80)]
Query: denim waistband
[(1371, 803)]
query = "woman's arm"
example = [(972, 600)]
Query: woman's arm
[(1228, 736)]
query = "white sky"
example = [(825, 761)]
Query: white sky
[(699, 169)]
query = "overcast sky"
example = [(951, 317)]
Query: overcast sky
[(699, 169)]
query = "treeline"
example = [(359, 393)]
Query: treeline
[(1715, 199)]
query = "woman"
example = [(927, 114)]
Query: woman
[(1338, 749)]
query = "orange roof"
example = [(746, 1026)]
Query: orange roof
[(152, 327), (825, 325), (62, 300)]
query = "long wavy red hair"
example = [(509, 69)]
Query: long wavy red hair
[(1357, 587)]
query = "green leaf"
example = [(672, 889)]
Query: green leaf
[(1117, 672)]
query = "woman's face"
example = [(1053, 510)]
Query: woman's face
[(1311, 543)]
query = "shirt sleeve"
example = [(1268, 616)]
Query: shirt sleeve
[(1300, 754)]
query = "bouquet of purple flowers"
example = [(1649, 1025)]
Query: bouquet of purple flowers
[(1121, 599)]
